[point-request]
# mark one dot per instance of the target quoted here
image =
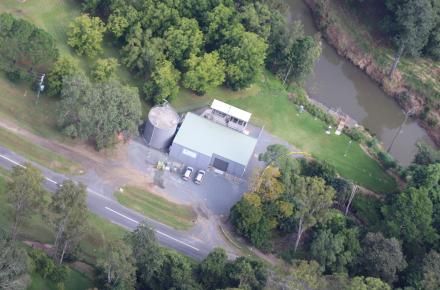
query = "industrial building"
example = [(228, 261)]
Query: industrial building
[(202, 143), (215, 139)]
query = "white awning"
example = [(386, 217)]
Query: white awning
[(231, 110)]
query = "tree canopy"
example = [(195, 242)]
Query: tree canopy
[(85, 35)]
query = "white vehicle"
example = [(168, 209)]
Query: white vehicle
[(187, 174), (199, 176)]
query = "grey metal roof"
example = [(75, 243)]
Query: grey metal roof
[(206, 137)]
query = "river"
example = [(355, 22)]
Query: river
[(337, 83)]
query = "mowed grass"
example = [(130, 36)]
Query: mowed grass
[(160, 209), (74, 281), (38, 154), (268, 101)]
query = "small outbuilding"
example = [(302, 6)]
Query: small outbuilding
[(202, 143)]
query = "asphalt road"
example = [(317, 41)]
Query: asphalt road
[(111, 210)]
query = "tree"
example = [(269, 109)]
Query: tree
[(409, 217), (220, 21), (143, 52), (306, 275), (244, 56), (85, 35), (176, 272), (334, 245), (367, 283), (245, 273), (24, 48), (430, 271), (211, 270), (204, 72), (411, 22), (98, 112), (164, 83), (302, 58), (382, 257), (25, 193), (13, 265), (104, 69), (117, 265), (314, 198), (148, 255), (69, 205), (183, 40), (65, 66)]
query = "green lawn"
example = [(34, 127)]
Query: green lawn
[(268, 101), (38, 154), (177, 216), (75, 281)]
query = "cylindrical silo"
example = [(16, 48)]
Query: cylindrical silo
[(160, 127)]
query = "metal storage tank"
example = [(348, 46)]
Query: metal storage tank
[(161, 127)]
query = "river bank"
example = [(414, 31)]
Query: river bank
[(404, 94)]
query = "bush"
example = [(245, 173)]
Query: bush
[(387, 160), (356, 135), (314, 110), (46, 267), (14, 76)]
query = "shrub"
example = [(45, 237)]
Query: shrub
[(14, 76), (46, 267), (314, 110), (387, 160)]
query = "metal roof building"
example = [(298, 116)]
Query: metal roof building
[(202, 143)]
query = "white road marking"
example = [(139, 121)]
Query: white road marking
[(18, 164), (157, 231), (10, 160), (107, 208)]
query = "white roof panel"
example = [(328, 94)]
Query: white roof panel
[(231, 110)]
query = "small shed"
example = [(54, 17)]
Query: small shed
[(202, 143)]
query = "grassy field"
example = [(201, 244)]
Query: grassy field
[(74, 281), (38, 154), (268, 101), (177, 216)]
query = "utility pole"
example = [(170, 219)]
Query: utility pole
[(407, 114), (40, 87)]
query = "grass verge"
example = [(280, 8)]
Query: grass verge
[(270, 106), (177, 216), (38, 154), (74, 281)]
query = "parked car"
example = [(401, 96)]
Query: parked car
[(187, 174), (199, 176)]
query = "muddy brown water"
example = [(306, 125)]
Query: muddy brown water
[(337, 83)]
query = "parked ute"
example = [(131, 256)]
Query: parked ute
[(187, 174), (199, 176)]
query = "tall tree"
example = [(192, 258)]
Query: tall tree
[(26, 194), (367, 283), (431, 271), (85, 35), (412, 20), (204, 72), (117, 265), (182, 40), (409, 217), (314, 198), (13, 265), (302, 58), (382, 257), (98, 112), (65, 66), (142, 52), (244, 56), (148, 255), (211, 270), (69, 205), (164, 83), (104, 69), (246, 273)]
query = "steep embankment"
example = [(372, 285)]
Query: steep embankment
[(399, 88)]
